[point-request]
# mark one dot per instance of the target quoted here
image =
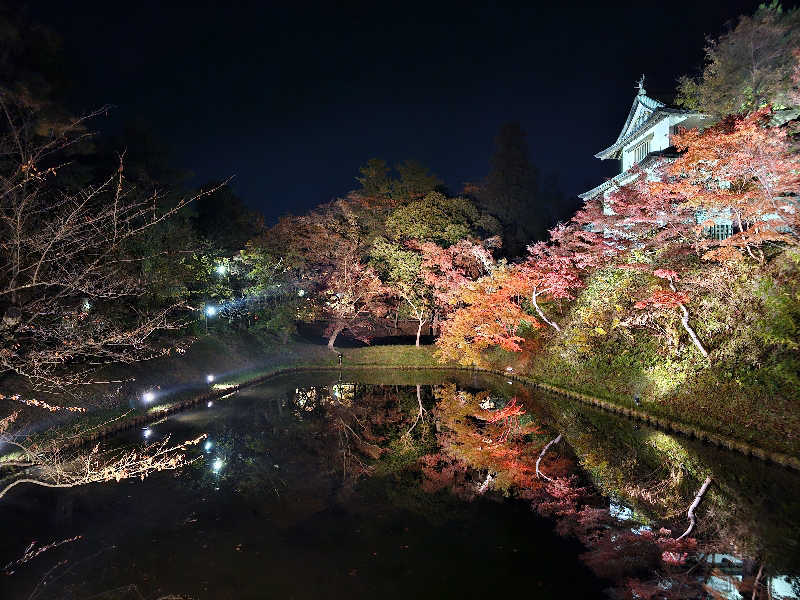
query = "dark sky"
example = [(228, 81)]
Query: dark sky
[(292, 99)]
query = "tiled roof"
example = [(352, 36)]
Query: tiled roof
[(625, 176), (659, 112)]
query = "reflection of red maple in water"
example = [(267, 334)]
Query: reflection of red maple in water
[(509, 416), (476, 442)]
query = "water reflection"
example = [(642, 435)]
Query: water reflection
[(324, 477)]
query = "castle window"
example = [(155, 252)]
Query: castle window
[(720, 232), (640, 151)]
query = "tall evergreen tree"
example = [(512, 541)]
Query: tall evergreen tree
[(511, 190)]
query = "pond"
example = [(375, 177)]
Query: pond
[(410, 484)]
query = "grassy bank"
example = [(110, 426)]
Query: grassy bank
[(747, 315)]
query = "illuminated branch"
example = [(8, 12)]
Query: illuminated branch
[(541, 456), (32, 552), (509, 415), (673, 299), (51, 471), (693, 507), (421, 414), (66, 253)]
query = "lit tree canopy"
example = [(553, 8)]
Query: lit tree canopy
[(748, 67)]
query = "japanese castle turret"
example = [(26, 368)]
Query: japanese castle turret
[(644, 142)]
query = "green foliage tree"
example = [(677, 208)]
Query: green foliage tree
[(273, 298), (375, 179), (414, 181), (434, 218), (748, 67), (225, 221), (401, 271)]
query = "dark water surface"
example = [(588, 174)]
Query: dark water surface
[(311, 487)]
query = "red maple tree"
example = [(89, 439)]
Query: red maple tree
[(742, 170), (672, 298), (552, 274)]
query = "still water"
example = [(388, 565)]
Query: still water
[(414, 485)]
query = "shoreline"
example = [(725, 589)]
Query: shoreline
[(223, 389)]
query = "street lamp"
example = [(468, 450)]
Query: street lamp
[(209, 311), (221, 270)]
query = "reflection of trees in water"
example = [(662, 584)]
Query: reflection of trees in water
[(655, 473), (751, 507), (328, 436), (304, 446)]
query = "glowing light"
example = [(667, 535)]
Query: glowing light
[(509, 369), (301, 293), (148, 396), (509, 382), (216, 466), (221, 269), (210, 378), (147, 433), (210, 404), (208, 445), (211, 310)]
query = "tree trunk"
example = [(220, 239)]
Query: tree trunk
[(334, 335), (486, 483), (690, 331), (695, 504), (685, 322), (757, 582), (419, 330), (541, 314)]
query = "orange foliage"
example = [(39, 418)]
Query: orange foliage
[(743, 168), (490, 315)]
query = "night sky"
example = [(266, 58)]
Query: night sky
[(291, 100)]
